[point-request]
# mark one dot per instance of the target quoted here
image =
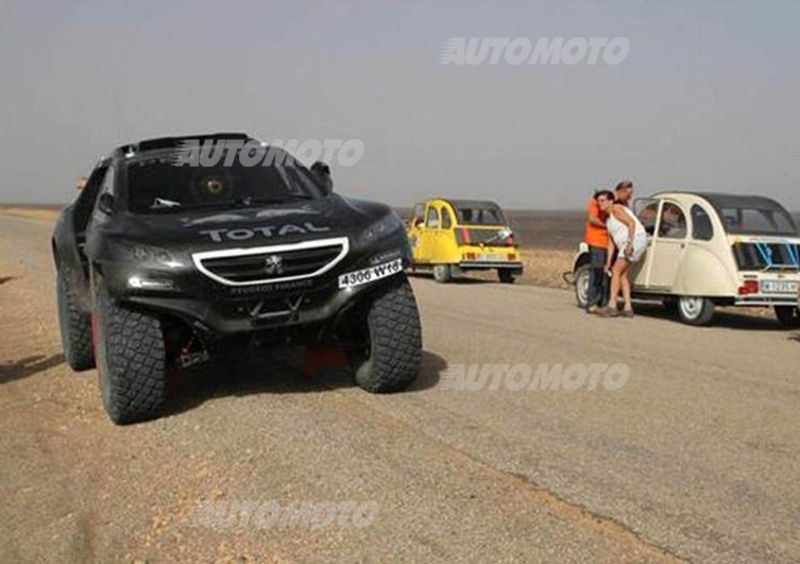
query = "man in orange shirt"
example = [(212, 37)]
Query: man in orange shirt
[(597, 239)]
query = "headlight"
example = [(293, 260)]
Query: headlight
[(386, 225), (148, 255)]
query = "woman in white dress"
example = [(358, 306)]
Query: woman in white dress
[(628, 236)]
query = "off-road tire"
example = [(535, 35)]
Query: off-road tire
[(695, 311), (131, 361), (506, 276), (391, 358), (788, 316), (75, 327), (582, 275), (442, 273)]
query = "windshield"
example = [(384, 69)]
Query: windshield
[(158, 185), (480, 215), (754, 221)]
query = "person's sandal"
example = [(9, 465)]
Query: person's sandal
[(608, 312), (628, 313)]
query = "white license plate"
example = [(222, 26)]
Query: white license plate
[(492, 257), (778, 287), (370, 274)]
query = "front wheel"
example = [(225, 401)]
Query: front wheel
[(391, 351), (582, 275), (695, 311), (131, 361), (788, 316)]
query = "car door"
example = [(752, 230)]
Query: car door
[(448, 247), (668, 246), (428, 234), (647, 212), (414, 231)]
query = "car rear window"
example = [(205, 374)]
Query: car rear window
[(754, 221), (480, 215)]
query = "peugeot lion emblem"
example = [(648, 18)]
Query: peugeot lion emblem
[(273, 264)]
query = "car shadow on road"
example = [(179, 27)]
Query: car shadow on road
[(28, 366), (274, 372), (724, 319)]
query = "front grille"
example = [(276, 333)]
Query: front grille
[(278, 263), (762, 256)]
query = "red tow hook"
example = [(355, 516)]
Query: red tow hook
[(319, 359)]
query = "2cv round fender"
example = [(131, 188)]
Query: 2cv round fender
[(703, 272)]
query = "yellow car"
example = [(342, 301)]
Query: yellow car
[(462, 235)]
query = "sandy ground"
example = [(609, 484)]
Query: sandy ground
[(695, 457)]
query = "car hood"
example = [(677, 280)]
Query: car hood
[(333, 216)]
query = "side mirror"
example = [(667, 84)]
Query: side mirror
[(80, 184), (323, 174), (106, 203)]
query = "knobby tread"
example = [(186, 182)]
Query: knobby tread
[(132, 361), (395, 339), (75, 327)]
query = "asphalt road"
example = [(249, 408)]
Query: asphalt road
[(695, 457)]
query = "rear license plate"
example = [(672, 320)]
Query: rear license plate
[(370, 274), (492, 257), (778, 287)]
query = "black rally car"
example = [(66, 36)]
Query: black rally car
[(162, 262)]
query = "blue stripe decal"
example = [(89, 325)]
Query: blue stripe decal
[(765, 252), (793, 253)]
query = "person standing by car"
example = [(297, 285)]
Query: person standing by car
[(628, 236), (597, 239), (623, 193)]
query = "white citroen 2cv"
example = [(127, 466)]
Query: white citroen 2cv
[(707, 250)]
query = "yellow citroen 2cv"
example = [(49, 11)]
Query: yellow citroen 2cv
[(451, 236)]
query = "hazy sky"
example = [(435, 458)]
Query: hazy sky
[(707, 98)]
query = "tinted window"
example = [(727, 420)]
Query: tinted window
[(107, 187), (433, 218), (447, 221), (702, 228), (85, 203), (673, 222)]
